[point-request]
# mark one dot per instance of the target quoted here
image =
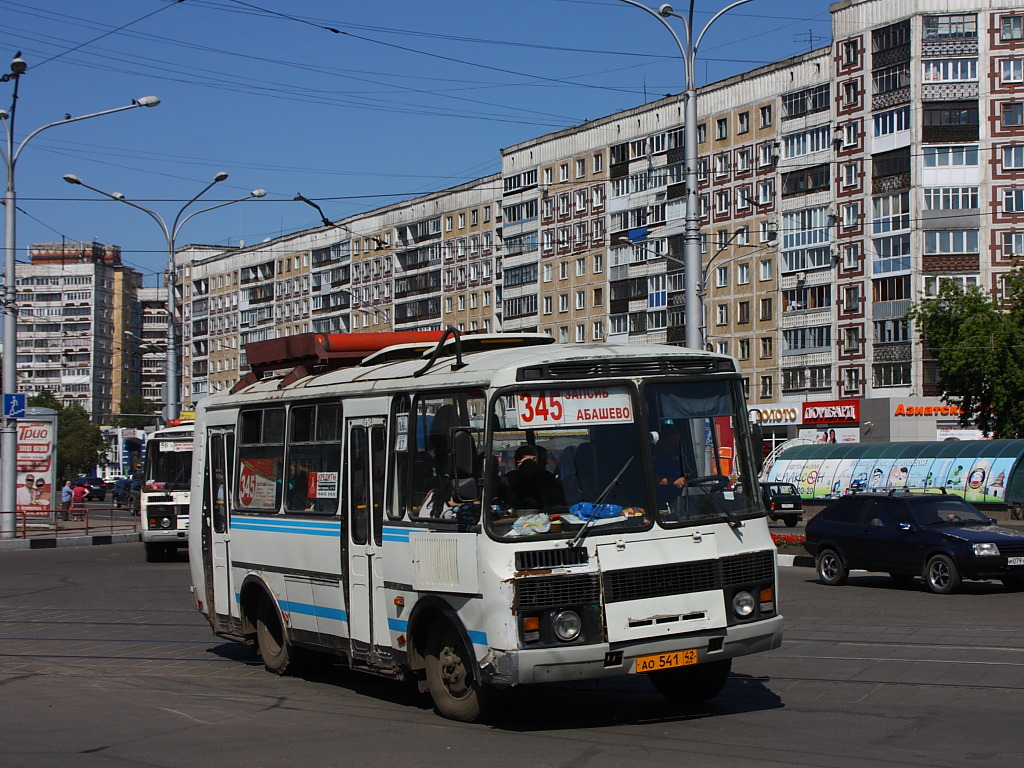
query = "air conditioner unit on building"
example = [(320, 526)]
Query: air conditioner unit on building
[(801, 276)]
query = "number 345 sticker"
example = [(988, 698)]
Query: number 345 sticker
[(573, 407)]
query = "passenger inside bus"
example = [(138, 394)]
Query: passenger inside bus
[(529, 485)]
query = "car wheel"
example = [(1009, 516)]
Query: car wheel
[(831, 568), (692, 685), (791, 521), (456, 694), (271, 641), (941, 575), (1013, 583)]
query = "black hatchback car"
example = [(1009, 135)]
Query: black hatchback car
[(939, 537), (96, 488), (783, 502)]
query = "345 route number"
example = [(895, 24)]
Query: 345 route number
[(540, 408)]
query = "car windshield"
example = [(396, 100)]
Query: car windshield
[(568, 460), (948, 511)]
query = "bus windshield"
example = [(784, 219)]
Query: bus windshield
[(168, 465), (562, 460)]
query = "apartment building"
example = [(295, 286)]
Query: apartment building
[(71, 297), (836, 188)]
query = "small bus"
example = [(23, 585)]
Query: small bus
[(476, 512), (164, 496)]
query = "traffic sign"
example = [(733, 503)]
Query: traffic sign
[(14, 406)]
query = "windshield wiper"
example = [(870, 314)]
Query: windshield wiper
[(600, 500)]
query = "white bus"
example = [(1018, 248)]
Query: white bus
[(360, 507), (163, 498)]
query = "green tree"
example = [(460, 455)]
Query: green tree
[(978, 343), (79, 442), (134, 406)]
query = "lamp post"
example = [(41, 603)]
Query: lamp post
[(691, 237), (172, 407), (10, 151)]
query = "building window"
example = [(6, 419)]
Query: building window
[(891, 375), (950, 198), (1011, 28), (951, 241), (598, 163), (766, 115), (722, 128), (744, 349), (850, 174), (1013, 244), (1013, 113), (598, 330), (702, 133), (851, 215), (851, 256), (722, 314), (958, 156), (851, 93), (581, 333), (765, 269), (1013, 200), (765, 308), (1012, 70), (950, 70), (890, 79), (851, 53), (766, 386), (851, 298), (951, 27), (743, 122), (563, 302), (892, 121), (743, 312), (581, 168)]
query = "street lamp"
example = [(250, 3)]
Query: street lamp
[(172, 407), (10, 153), (691, 239)]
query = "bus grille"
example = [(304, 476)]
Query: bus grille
[(551, 558), (554, 591), (533, 593), (681, 578)]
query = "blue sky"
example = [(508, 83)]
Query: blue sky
[(353, 104)]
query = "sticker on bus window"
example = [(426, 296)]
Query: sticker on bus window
[(257, 484), (573, 407), (167, 445), (323, 485)]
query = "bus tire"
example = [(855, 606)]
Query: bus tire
[(456, 693), (694, 684), (155, 553), (271, 642)]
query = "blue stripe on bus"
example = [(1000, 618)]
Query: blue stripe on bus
[(286, 526), (401, 625), (319, 611)]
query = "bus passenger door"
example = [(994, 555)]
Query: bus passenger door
[(365, 463), (216, 522)]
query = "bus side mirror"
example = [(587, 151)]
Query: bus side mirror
[(467, 463)]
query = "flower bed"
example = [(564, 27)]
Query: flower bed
[(789, 541)]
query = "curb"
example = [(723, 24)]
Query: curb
[(800, 561), (53, 542)]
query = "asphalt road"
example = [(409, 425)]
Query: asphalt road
[(104, 662)]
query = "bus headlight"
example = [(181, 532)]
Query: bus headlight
[(743, 604), (165, 522), (567, 625)]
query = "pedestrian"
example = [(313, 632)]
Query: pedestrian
[(78, 495), (66, 497)]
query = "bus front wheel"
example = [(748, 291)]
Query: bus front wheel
[(270, 639), (456, 693)]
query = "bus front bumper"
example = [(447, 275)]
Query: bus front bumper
[(566, 663)]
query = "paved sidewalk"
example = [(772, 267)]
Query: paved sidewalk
[(74, 533)]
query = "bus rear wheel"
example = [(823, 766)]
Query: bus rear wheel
[(270, 639), (692, 685), (456, 693)]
